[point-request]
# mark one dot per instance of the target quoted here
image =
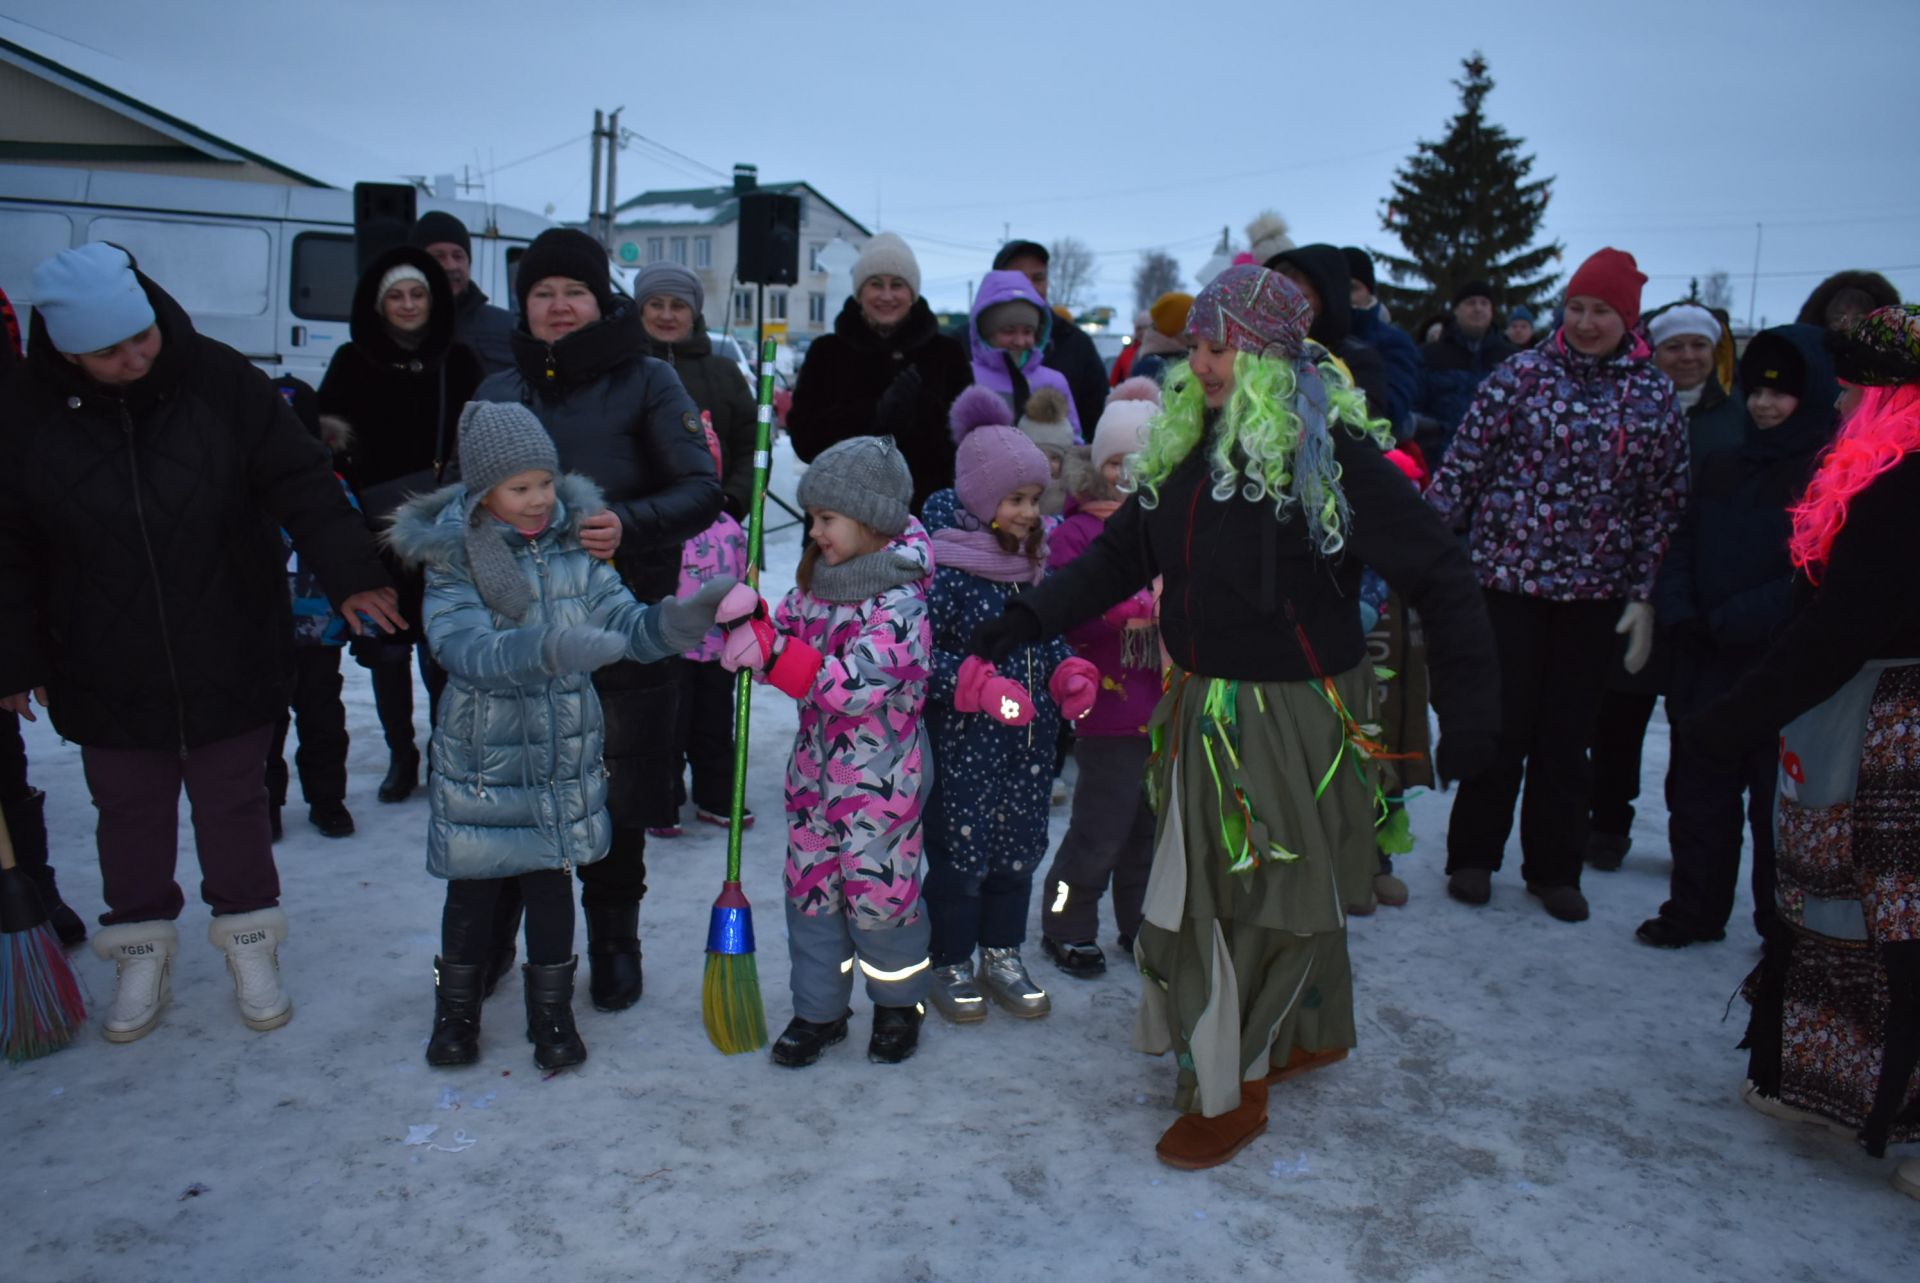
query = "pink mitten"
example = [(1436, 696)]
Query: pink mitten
[(1006, 701), (974, 671), (748, 645), (1136, 611), (1074, 686), (741, 602)]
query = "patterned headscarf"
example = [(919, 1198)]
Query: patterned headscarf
[(1881, 349), (1252, 310)]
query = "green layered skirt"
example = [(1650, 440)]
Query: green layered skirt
[(1267, 795)]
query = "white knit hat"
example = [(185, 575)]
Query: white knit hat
[(1123, 424), (886, 255), (397, 273), (1688, 318)]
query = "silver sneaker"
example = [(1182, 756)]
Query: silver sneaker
[(956, 995), (1005, 976)]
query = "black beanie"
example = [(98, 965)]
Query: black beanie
[(1473, 289), (1020, 249), (1359, 266), (1772, 361), (437, 227), (568, 252)]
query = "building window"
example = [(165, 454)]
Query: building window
[(678, 245), (813, 256), (703, 251), (817, 308), (777, 306), (656, 248), (743, 307)]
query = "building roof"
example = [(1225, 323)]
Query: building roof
[(709, 206), (186, 110)]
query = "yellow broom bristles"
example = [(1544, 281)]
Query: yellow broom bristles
[(730, 1003)]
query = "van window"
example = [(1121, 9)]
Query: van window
[(512, 301), (209, 268), (28, 238), (324, 277)]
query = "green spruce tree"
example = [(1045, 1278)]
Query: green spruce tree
[(1465, 209)]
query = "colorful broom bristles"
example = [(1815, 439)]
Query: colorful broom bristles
[(730, 1003), (40, 1004)]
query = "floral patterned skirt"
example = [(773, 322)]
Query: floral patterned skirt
[(1835, 1001)]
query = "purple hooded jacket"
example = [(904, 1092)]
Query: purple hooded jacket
[(992, 367)]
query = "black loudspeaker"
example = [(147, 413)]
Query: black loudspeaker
[(769, 239), (382, 217)]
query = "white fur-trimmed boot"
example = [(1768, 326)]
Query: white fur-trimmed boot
[(251, 942), (142, 957)]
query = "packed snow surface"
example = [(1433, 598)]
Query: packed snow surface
[(1530, 1100)]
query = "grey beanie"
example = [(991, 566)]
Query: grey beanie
[(864, 478), (670, 280), (1013, 311), (498, 440), (89, 298), (886, 255)]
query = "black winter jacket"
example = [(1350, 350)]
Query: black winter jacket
[(1070, 351), (487, 329), (1332, 326), (142, 572), (399, 406), (719, 388), (858, 383), (624, 420), (1245, 596)]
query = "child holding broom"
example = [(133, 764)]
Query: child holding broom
[(851, 643), (520, 615)]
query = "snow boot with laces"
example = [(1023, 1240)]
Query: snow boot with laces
[(142, 956), (251, 942)]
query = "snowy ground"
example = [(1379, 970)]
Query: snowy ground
[(1530, 1100)]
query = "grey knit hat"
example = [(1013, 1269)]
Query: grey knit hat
[(864, 478), (498, 440), (669, 280), (886, 255)]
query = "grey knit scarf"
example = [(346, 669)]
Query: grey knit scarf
[(499, 579), (865, 576)]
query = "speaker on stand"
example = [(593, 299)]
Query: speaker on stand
[(383, 214)]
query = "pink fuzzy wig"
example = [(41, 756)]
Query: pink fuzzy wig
[(1882, 431)]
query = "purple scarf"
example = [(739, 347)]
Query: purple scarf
[(977, 552)]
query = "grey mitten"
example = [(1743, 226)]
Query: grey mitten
[(685, 620), (581, 649)]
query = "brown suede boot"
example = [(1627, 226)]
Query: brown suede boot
[(1195, 1142), (1301, 1061)]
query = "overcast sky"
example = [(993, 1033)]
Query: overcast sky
[(1671, 127)]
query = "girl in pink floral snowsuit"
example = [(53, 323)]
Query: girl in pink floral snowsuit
[(853, 645)]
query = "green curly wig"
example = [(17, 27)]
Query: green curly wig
[(1263, 447)]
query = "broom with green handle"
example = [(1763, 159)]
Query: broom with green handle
[(730, 1003), (40, 1004)]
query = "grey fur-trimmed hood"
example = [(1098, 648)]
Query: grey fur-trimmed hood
[(430, 529)]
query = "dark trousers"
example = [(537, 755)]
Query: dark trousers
[(967, 916), (1708, 805), (390, 667), (1619, 731), (467, 921), (137, 792), (1109, 837), (13, 760), (703, 737), (1554, 659), (321, 719)]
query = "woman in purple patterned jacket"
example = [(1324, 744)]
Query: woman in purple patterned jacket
[(1568, 476)]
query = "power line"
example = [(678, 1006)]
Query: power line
[(1811, 271), (544, 151), (629, 135)]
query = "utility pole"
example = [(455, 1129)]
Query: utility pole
[(593, 197), (1753, 292), (613, 157)]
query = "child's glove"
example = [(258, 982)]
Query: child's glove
[(1074, 686), (581, 649), (978, 689), (751, 641), (684, 621)]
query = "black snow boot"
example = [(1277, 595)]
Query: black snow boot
[(1082, 960), (27, 825), (802, 1041), (331, 818), (613, 956), (896, 1032), (402, 777), (556, 1043), (456, 1013)]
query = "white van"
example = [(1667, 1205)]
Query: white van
[(265, 269)]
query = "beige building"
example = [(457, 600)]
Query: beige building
[(698, 228)]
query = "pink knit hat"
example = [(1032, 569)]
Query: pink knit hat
[(993, 458)]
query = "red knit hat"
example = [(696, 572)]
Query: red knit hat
[(1611, 276)]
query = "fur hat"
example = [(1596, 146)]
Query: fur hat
[(886, 255), (1253, 310), (568, 252), (992, 458), (89, 298), (1170, 313), (1611, 276), (864, 478), (1267, 236), (1123, 424)]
